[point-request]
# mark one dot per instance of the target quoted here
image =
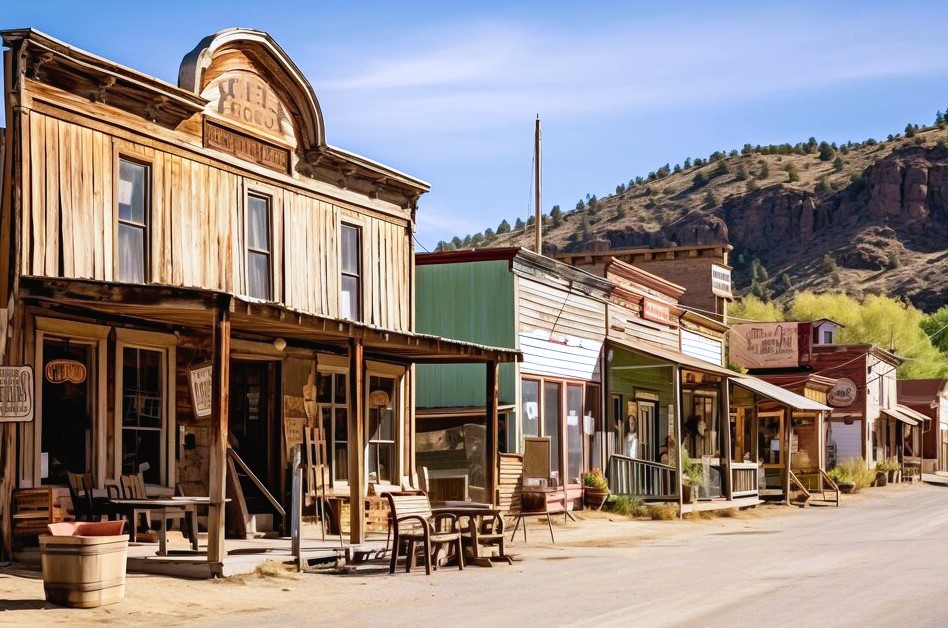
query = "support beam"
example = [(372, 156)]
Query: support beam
[(357, 474), (728, 438), (676, 395), (788, 431), (217, 482), (491, 404)]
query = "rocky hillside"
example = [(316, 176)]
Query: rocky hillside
[(861, 218)]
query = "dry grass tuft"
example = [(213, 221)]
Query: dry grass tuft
[(275, 569), (663, 512)]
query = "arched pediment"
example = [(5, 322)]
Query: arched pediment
[(250, 82)]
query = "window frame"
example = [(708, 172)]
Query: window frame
[(165, 344), (396, 373), (138, 160), (360, 275), (331, 435), (253, 192)]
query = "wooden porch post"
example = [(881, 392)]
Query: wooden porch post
[(356, 443), (788, 431), (728, 444), (491, 405), (217, 483), (676, 392)]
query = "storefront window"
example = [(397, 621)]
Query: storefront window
[(332, 401), (381, 459), (531, 408), (552, 402), (769, 440), (142, 411), (574, 432)]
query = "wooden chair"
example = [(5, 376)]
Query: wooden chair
[(80, 494), (413, 522), (487, 532), (133, 487), (540, 495)]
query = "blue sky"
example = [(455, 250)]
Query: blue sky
[(448, 92)]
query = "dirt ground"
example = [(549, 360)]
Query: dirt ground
[(880, 558)]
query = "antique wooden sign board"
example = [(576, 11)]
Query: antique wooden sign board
[(246, 147), (199, 377), (16, 394)]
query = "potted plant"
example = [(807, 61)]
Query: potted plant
[(886, 470), (692, 476), (595, 488)]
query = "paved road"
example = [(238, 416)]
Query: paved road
[(882, 558)]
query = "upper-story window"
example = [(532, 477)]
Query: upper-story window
[(827, 336), (350, 297), (259, 273), (132, 254)]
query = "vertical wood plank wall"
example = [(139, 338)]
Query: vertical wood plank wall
[(197, 226)]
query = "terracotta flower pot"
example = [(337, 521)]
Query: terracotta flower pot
[(595, 497)]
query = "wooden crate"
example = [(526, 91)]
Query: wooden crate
[(34, 509), (376, 514)]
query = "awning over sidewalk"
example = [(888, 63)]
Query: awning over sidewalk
[(898, 414), (914, 414), (674, 357), (778, 394)]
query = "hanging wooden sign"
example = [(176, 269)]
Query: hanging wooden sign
[(62, 371), (16, 394), (199, 378), (378, 398)]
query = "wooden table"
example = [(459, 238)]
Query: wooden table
[(160, 506), (474, 512)]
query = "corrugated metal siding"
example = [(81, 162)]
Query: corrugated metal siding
[(577, 359), (471, 301), (701, 347)]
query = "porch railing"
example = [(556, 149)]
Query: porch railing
[(649, 480), (744, 479)]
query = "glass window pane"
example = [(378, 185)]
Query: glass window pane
[(324, 388), (258, 223), (132, 191), (342, 425), (258, 275), (131, 254), (349, 299), (574, 434), (340, 396), (140, 446), (531, 408), (351, 250), (551, 422), (341, 462)]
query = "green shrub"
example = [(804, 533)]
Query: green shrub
[(853, 471), (625, 505)]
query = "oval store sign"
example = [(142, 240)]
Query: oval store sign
[(61, 371), (843, 394)]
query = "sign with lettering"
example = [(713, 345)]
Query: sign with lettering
[(243, 98), (843, 393), (721, 281), (16, 394), (246, 147), (199, 378), (764, 345), (379, 398), (62, 371), (656, 311)]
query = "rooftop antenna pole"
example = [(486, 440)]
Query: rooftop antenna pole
[(538, 221)]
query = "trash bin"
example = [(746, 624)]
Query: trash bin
[(84, 563)]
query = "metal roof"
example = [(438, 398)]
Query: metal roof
[(898, 415), (778, 394)]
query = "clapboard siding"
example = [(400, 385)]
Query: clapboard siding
[(197, 225), (701, 347), (626, 325), (560, 311), (573, 361), (848, 439)]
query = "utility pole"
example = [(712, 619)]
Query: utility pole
[(538, 221)]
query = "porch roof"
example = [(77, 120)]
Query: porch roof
[(778, 394), (898, 416), (674, 357), (915, 414), (194, 308)]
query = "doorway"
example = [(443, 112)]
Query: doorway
[(254, 432), (648, 426), (68, 407)]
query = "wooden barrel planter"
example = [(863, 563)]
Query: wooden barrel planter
[(84, 563), (595, 497)]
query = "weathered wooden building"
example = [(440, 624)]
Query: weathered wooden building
[(192, 269), (929, 397), (556, 316)]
